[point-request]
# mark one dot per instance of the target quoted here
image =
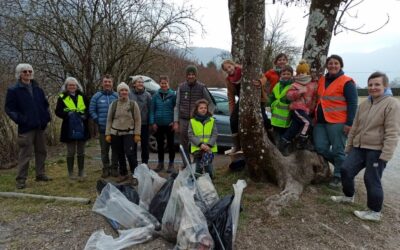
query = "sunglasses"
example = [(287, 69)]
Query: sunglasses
[(27, 71)]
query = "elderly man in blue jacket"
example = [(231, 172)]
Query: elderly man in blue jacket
[(98, 110), (27, 106)]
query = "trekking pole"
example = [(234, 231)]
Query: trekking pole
[(188, 164)]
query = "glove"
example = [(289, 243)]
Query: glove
[(108, 138), (136, 138)]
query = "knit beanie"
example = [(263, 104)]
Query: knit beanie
[(122, 85), (303, 67), (191, 69)]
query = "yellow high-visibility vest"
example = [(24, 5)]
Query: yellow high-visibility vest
[(70, 105), (280, 113), (203, 132)]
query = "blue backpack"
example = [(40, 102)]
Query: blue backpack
[(76, 127)]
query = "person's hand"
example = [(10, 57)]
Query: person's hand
[(154, 127), (176, 127), (346, 129), (205, 147), (257, 83), (136, 138), (108, 138)]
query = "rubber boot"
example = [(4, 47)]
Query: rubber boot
[(81, 164), (236, 144), (70, 167), (284, 147), (303, 143)]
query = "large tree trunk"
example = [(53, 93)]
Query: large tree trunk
[(236, 17), (321, 21), (263, 159)]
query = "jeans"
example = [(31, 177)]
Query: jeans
[(29, 142), (124, 146), (356, 160), (329, 141), (301, 123), (162, 132), (105, 149), (144, 144)]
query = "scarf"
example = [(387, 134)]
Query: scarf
[(303, 79), (236, 76)]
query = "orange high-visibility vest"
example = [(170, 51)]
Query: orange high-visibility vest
[(332, 100)]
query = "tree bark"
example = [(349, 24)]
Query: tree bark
[(236, 17), (321, 21)]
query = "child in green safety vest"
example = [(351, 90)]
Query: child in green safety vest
[(203, 137), (280, 113)]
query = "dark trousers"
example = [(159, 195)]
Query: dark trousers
[(124, 146), (301, 123), (162, 132), (144, 144), (105, 157), (356, 160)]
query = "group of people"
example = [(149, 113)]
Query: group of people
[(325, 108), (303, 106), (124, 119)]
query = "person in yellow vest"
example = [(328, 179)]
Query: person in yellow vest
[(280, 113), (336, 107), (203, 137), (72, 108)]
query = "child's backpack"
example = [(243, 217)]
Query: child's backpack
[(76, 127)]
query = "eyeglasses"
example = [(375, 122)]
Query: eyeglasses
[(27, 71)]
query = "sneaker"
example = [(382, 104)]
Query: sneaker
[(342, 199), (43, 178), (336, 182), (20, 184), (368, 215)]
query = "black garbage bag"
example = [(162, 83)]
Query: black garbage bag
[(237, 165), (160, 200), (220, 215), (126, 189)]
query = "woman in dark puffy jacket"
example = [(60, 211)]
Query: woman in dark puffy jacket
[(72, 107), (162, 120)]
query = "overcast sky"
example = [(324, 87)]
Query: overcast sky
[(214, 16)]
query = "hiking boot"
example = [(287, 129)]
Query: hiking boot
[(336, 182), (106, 173), (171, 168), (303, 143), (20, 184), (43, 178), (342, 199), (114, 172), (123, 178), (284, 147), (160, 167), (368, 215)]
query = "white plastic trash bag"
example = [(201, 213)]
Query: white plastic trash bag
[(207, 190), (114, 205), (235, 206), (101, 241), (149, 183), (193, 231)]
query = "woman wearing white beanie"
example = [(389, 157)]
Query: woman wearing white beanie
[(123, 129)]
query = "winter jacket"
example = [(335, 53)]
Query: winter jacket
[(28, 111), (122, 122), (162, 107), (61, 113), (98, 107), (186, 97), (376, 126), (303, 94), (143, 99)]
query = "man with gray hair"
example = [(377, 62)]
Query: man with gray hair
[(27, 105)]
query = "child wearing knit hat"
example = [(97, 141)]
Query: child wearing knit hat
[(302, 94)]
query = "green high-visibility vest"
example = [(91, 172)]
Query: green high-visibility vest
[(203, 132), (70, 105), (280, 113)]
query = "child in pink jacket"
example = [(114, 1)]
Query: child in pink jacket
[(303, 96)]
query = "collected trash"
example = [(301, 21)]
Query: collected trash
[(101, 241), (235, 206), (193, 231), (208, 192), (114, 205), (149, 184), (127, 190), (160, 200)]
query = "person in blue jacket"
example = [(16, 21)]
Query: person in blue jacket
[(27, 105), (98, 110), (162, 122)]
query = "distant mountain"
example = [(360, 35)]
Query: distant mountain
[(360, 65), (207, 54)]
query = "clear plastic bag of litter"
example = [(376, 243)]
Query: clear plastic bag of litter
[(206, 192), (114, 205), (193, 230), (101, 241), (149, 182)]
